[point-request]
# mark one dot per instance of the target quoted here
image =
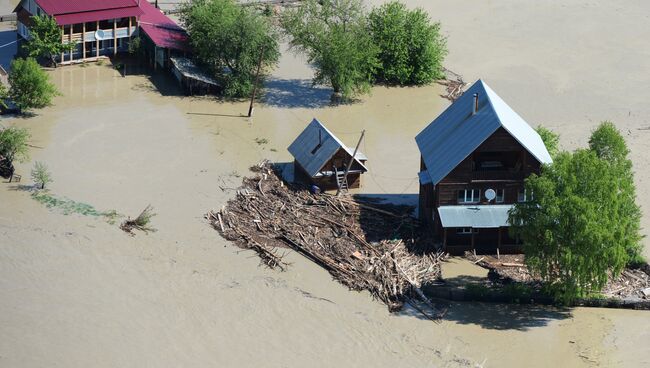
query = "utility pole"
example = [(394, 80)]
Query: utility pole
[(347, 169), (257, 77)]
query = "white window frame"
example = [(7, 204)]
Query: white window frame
[(466, 230), (502, 196), (473, 197), (525, 197)]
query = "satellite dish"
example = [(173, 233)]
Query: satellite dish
[(99, 34), (490, 194)]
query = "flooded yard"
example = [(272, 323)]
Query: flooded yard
[(77, 291)]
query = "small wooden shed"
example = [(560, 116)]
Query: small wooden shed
[(322, 158)]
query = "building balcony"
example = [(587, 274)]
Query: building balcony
[(107, 34), (484, 175)]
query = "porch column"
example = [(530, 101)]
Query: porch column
[(62, 40), (83, 41), (499, 244), (129, 30), (473, 247), (70, 41), (444, 238), (114, 37), (97, 42)]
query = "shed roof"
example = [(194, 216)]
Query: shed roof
[(190, 70), (456, 133), (480, 217), (311, 155), (163, 31)]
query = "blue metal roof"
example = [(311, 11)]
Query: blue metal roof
[(480, 217), (456, 133), (316, 145)]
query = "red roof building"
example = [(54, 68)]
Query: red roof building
[(105, 27)]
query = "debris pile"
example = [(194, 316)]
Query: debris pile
[(632, 283), (455, 85), (139, 223), (353, 240)]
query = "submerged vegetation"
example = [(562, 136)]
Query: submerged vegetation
[(582, 223), (68, 206)]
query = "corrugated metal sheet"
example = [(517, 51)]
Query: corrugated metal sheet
[(480, 217), (311, 159), (55, 7), (161, 29), (97, 15), (425, 178), (456, 133)]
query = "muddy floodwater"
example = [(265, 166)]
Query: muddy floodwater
[(76, 291)]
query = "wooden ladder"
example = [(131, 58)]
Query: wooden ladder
[(341, 179)]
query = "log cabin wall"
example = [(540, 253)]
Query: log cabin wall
[(499, 147)]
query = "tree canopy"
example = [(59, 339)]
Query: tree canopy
[(411, 48), (45, 39), (582, 224), (30, 85), (229, 39), (335, 37), (13, 147)]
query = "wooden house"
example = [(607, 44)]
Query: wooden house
[(322, 158), (474, 159), (101, 28)]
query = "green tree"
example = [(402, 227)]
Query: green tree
[(608, 144), (41, 175), (411, 47), (30, 85), (230, 39), (551, 140), (13, 147), (46, 39), (570, 228), (335, 37)]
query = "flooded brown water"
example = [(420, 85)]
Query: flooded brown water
[(76, 291)]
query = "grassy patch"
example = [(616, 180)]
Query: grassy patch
[(261, 141), (68, 206)]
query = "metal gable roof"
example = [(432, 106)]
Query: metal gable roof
[(456, 133), (479, 217), (311, 159)]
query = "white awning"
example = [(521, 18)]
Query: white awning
[(476, 216)]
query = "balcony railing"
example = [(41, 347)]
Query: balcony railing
[(497, 175), (121, 32)]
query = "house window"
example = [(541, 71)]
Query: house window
[(501, 193), (524, 196), (466, 230), (469, 196)]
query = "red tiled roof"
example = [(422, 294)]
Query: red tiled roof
[(163, 31)]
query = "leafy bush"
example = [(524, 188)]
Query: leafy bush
[(30, 85), (411, 48), (335, 37)]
